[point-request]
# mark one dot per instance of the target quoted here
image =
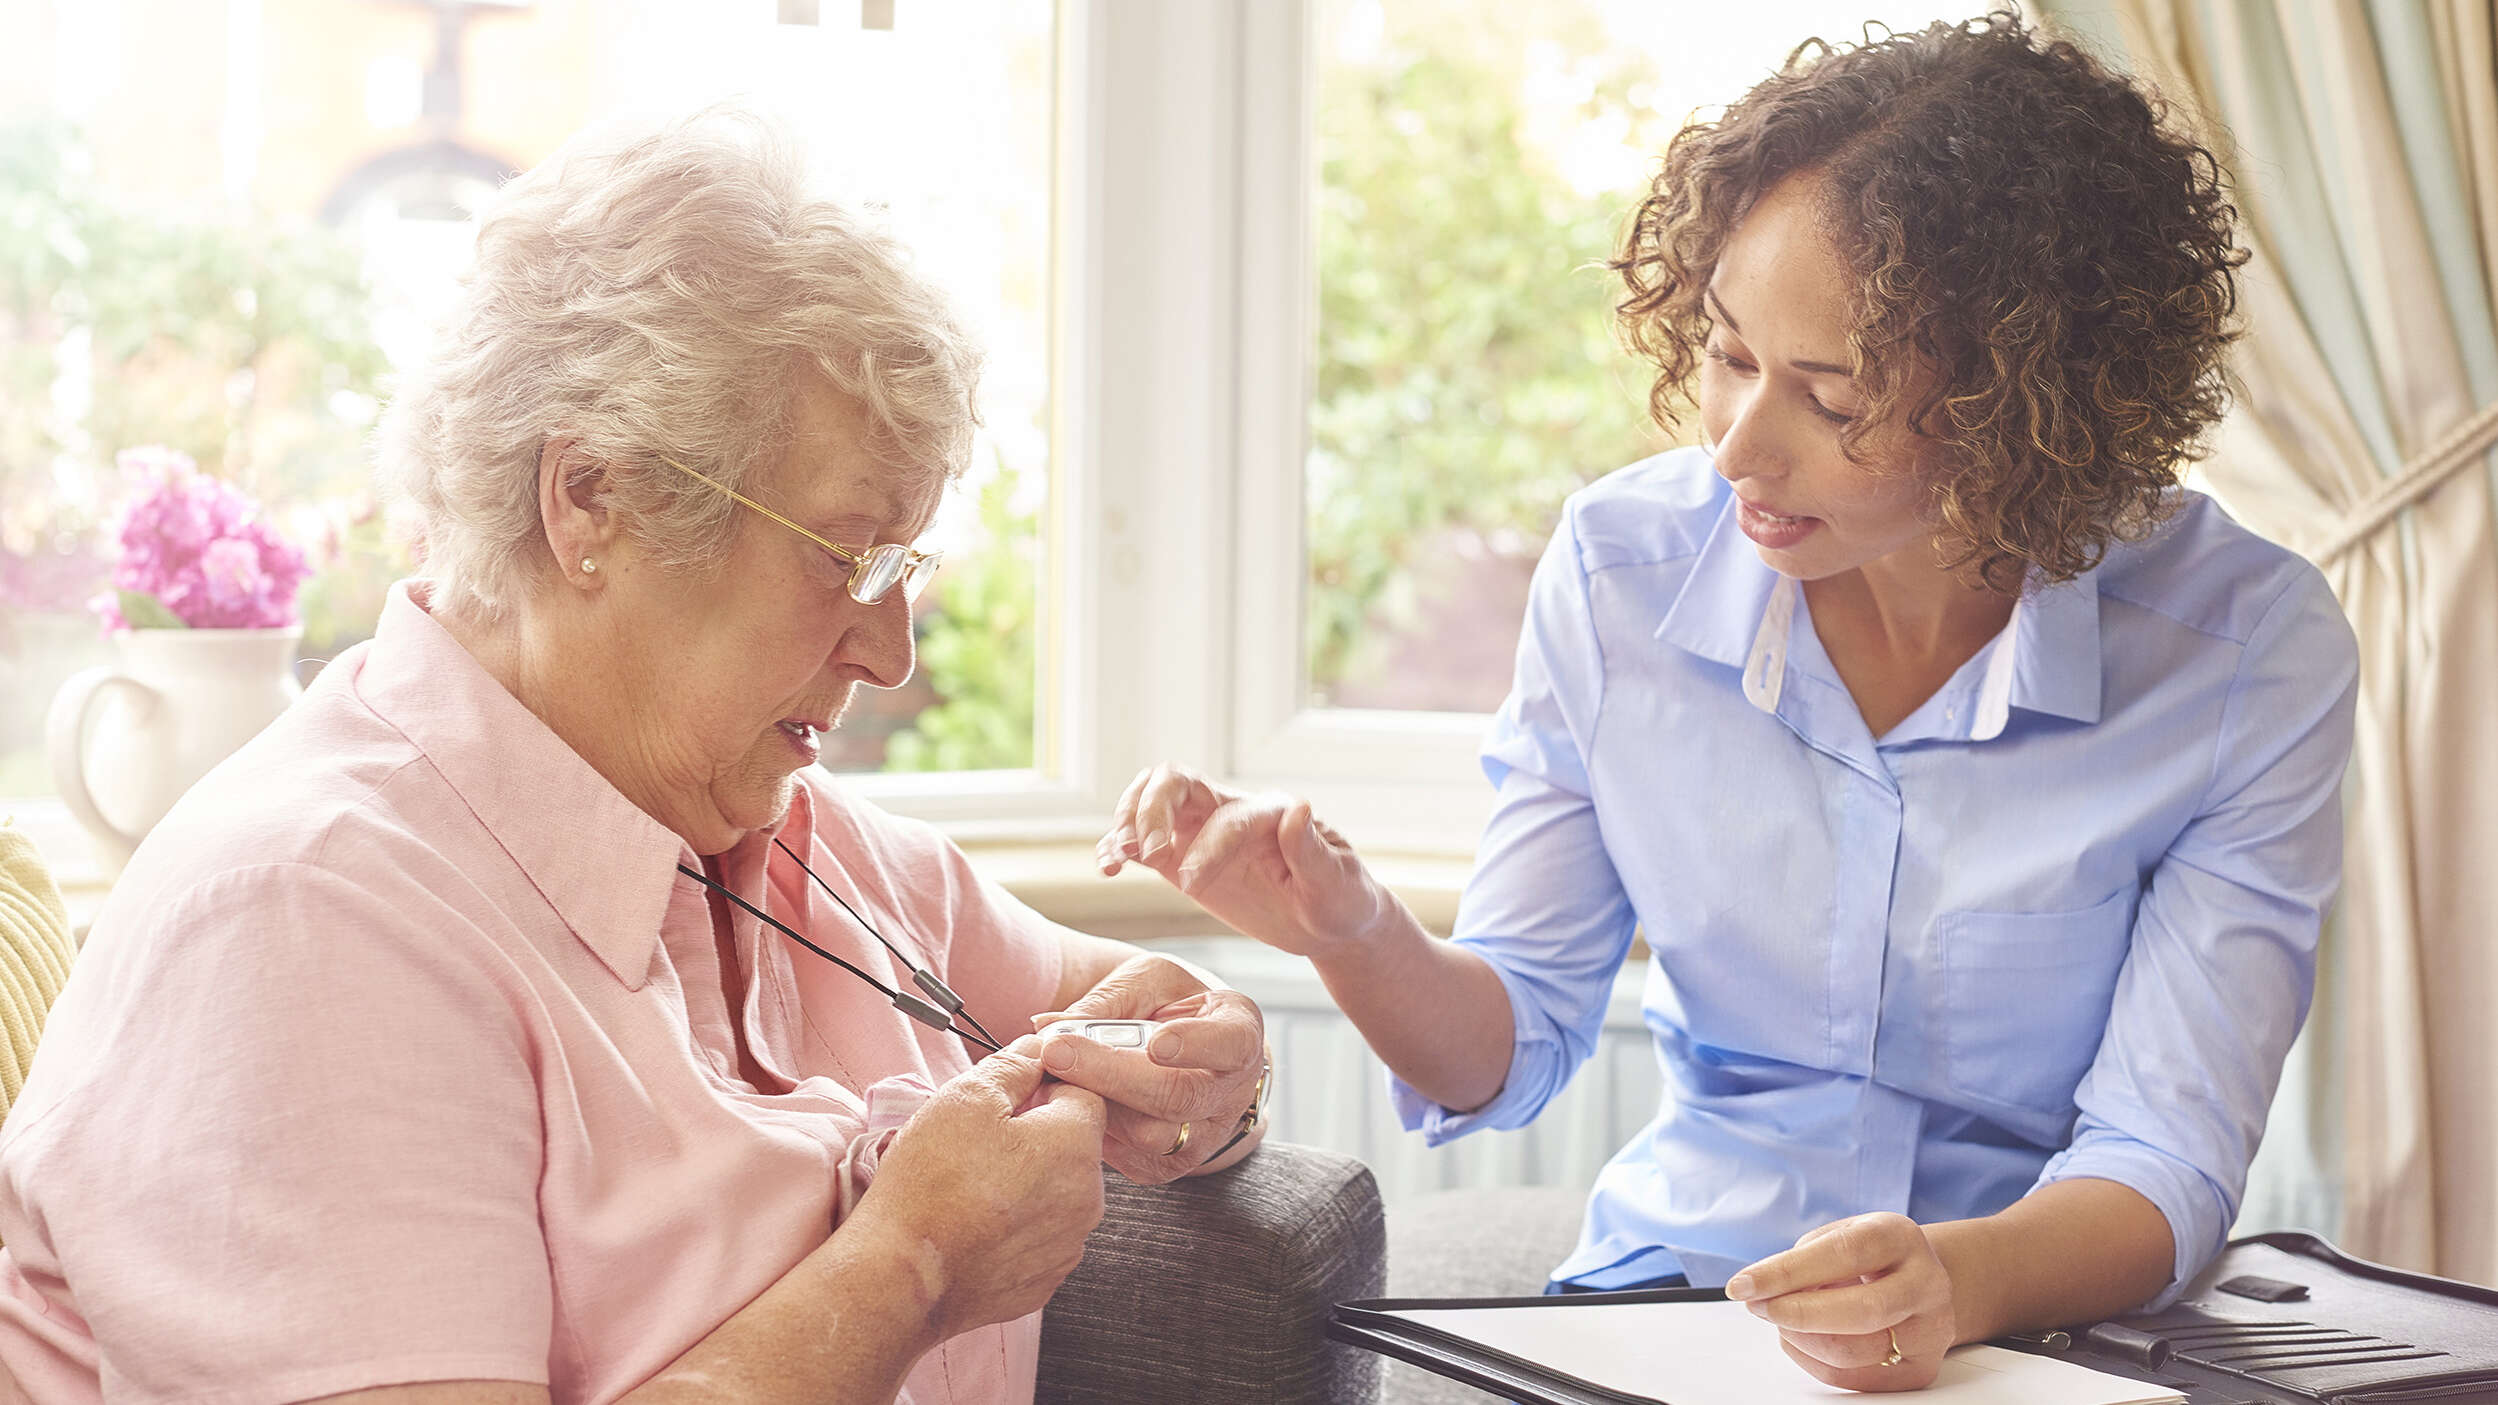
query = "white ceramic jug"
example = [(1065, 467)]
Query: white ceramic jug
[(181, 701)]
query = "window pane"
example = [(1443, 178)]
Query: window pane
[(224, 222), (1476, 162)]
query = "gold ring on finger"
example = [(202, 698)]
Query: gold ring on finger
[(1891, 1360), (1178, 1142)]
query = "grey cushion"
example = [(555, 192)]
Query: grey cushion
[(1217, 1288), (1498, 1243)]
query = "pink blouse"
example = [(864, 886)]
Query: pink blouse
[(399, 1055)]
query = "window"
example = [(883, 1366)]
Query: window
[(1295, 342), (222, 226), (1446, 371), (1475, 165)]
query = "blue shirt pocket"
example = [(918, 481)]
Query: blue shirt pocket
[(2021, 1000)]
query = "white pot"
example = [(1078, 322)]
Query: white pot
[(125, 741)]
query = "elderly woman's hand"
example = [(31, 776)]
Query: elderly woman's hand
[(990, 1190), (1261, 864), (1200, 1071), (1862, 1303)]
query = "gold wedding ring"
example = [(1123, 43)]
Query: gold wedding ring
[(1179, 1141), (1891, 1360)]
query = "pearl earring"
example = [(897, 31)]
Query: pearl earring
[(588, 566)]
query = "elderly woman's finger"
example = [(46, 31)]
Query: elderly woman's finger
[(1078, 1111), (1227, 1036), (1148, 1159), (1158, 1138), (1134, 1081), (1186, 1007), (1140, 988), (1182, 1008), (1127, 1078), (1009, 1077)]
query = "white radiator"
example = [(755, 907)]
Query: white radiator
[(1332, 1092)]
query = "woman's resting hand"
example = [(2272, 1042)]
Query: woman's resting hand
[(990, 1190), (1262, 864), (1846, 1292), (1201, 1069)]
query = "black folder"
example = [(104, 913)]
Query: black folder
[(2287, 1319), (1370, 1324), (2278, 1319)]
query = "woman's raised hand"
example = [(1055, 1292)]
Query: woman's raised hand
[(990, 1190), (1261, 864)]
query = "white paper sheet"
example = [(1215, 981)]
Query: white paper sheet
[(1717, 1353)]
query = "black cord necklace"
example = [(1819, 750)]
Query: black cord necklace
[(938, 1011)]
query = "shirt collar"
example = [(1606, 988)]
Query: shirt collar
[(1735, 610), (604, 865), (1724, 610), (2053, 665)]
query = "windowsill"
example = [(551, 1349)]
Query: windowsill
[(1048, 871), (1059, 881)]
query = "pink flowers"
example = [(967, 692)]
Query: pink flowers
[(199, 549)]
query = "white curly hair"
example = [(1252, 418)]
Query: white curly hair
[(661, 294)]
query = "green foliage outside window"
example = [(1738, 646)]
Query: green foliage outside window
[(1467, 377), (227, 339), (244, 344), (979, 647)]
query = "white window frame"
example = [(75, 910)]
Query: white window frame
[(1177, 564), (1173, 562), (1406, 780), (1135, 668)]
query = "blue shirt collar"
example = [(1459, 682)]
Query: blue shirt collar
[(2056, 666), (1733, 609), (1725, 600)]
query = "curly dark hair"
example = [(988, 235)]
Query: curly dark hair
[(2041, 234)]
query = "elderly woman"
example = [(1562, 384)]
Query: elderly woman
[(1973, 785), (525, 1016)]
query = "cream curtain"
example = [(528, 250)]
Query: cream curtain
[(2366, 155)]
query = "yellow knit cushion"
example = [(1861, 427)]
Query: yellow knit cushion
[(35, 951)]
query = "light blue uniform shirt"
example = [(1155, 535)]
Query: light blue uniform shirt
[(2060, 922)]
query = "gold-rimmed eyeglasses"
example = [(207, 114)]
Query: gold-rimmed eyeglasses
[(874, 570)]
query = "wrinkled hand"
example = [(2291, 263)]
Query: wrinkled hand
[(1201, 1068), (1261, 864), (991, 1189), (1845, 1290)]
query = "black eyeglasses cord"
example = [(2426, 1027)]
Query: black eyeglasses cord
[(942, 1005)]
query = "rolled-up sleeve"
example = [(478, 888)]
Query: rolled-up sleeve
[(1545, 906), (2223, 960)]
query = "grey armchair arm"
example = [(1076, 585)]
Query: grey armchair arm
[(1217, 1289)]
